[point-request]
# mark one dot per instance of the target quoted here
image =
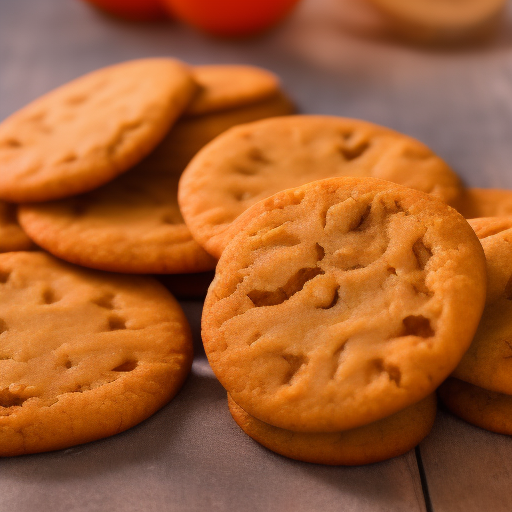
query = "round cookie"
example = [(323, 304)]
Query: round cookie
[(134, 224), (444, 21), (222, 87), (339, 303), (12, 237), (249, 163), (488, 362), (483, 202), (485, 409), (87, 132), (83, 354), (378, 441)]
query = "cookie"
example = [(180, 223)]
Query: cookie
[(131, 225), (83, 354), (484, 227), (339, 303), (222, 87), (85, 133), (12, 237), (488, 362), (483, 202), (378, 441), (485, 409), (134, 224), (442, 21), (249, 163)]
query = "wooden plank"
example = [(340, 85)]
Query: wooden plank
[(467, 469)]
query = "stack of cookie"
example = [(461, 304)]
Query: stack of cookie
[(249, 163), (133, 224), (480, 389), (335, 314), (96, 163)]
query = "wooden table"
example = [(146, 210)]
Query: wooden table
[(190, 455)]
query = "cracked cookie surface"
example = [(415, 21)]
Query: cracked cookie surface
[(83, 355), (88, 131), (250, 163), (488, 362), (378, 441), (339, 303)]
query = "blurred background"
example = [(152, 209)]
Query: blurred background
[(449, 86)]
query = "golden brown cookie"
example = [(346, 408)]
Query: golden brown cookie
[(484, 227), (442, 21), (131, 225), (134, 224), (485, 409), (378, 441), (249, 163), (339, 303), (83, 354), (222, 87), (90, 130), (488, 362), (12, 237), (484, 202)]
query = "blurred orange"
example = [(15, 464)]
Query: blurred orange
[(231, 18)]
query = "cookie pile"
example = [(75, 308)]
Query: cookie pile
[(251, 162), (343, 272), (335, 314), (221, 193), (133, 224), (480, 390), (87, 354)]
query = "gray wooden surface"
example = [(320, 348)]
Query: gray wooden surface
[(468, 469), (190, 455)]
